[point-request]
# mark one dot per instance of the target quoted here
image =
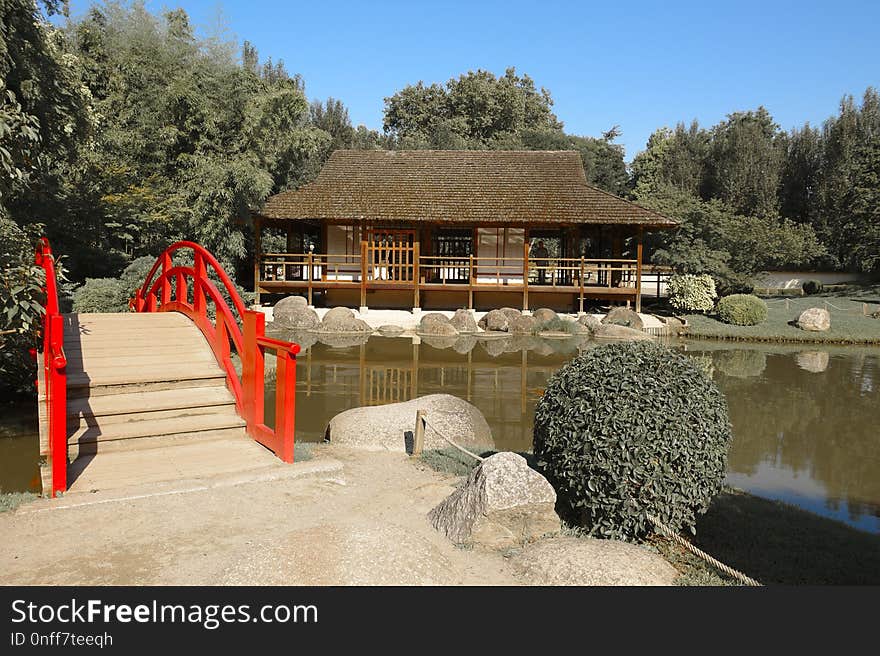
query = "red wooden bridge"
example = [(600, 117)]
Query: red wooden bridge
[(172, 390)]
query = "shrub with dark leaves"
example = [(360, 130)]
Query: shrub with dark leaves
[(811, 287), (627, 430)]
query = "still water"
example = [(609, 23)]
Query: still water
[(805, 418)]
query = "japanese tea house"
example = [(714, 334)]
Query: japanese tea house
[(449, 229)]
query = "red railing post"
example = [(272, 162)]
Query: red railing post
[(166, 283), (285, 405), (56, 378), (198, 289), (252, 369)]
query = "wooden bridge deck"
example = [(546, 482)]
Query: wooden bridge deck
[(148, 403)]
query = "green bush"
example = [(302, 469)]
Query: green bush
[(631, 429), (692, 293), (812, 287), (101, 295), (742, 310)]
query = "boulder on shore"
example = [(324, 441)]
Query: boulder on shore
[(381, 427), (436, 324), (494, 320), (342, 320), (521, 325), (293, 312), (589, 322), (814, 319), (590, 561), (543, 315), (504, 503), (623, 316), (613, 331), (464, 322)]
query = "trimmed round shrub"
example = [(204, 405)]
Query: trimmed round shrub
[(631, 429), (812, 287), (692, 293), (100, 295), (742, 310)]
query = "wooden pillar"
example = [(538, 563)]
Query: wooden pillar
[(525, 275), (363, 273), (309, 275), (581, 306), (416, 274), (258, 247), (471, 282), (639, 272)]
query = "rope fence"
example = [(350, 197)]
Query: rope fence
[(422, 423), (865, 309)]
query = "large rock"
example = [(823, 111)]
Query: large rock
[(437, 324), (342, 320), (293, 313), (589, 561), (814, 319), (511, 312), (590, 322), (494, 320), (613, 331), (623, 316), (504, 503), (521, 325), (381, 427), (464, 322), (543, 315)]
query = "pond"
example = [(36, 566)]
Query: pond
[(805, 418)]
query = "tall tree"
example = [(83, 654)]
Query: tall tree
[(746, 163)]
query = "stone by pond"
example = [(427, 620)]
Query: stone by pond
[(814, 319), (503, 504), (382, 428)]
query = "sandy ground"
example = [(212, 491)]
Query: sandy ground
[(363, 523)]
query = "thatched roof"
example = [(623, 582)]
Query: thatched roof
[(457, 186)]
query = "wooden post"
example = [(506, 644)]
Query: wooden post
[(419, 434), (525, 275), (416, 274), (258, 246), (639, 272), (582, 285), (471, 282), (309, 275), (363, 273)]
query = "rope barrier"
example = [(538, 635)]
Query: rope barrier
[(660, 526), (675, 537), (460, 448)]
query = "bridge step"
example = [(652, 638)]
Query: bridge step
[(111, 407), (141, 382), (107, 436)]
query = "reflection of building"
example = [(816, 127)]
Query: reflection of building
[(453, 229), (505, 387)]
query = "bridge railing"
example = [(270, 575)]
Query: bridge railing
[(52, 381), (174, 287)]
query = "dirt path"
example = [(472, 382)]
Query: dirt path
[(362, 525)]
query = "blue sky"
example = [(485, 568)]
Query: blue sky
[(639, 65)]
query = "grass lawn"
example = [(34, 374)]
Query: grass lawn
[(849, 324)]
